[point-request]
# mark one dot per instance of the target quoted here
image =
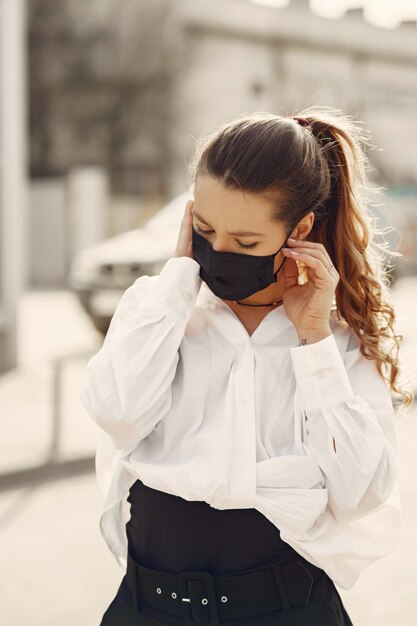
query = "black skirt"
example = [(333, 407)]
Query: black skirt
[(167, 532)]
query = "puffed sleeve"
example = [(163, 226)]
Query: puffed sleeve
[(127, 387), (350, 423)]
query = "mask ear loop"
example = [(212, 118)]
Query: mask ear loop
[(276, 273)]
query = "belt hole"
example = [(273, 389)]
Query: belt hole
[(173, 594), (158, 590), (204, 601), (224, 598)]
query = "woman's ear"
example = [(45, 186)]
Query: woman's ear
[(304, 227)]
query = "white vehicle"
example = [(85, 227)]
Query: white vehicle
[(100, 274)]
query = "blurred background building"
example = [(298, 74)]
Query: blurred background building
[(126, 88), (117, 95)]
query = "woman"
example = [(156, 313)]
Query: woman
[(239, 392)]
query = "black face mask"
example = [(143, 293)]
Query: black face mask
[(231, 275)]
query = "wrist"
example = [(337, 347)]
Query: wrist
[(312, 335)]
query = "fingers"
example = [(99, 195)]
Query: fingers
[(184, 244), (312, 247), (188, 213), (187, 219), (315, 261), (305, 250), (290, 274), (187, 210)]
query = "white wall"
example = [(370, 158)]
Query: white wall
[(13, 201), (47, 233)]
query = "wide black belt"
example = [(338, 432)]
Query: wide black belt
[(200, 598)]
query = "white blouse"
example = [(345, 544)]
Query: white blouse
[(190, 403)]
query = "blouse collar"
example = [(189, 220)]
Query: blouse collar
[(273, 324)]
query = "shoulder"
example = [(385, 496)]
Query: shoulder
[(144, 282), (132, 297), (139, 288), (128, 304)]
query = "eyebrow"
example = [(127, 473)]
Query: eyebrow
[(240, 233)]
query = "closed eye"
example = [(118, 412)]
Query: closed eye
[(241, 245)]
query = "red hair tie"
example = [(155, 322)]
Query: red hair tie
[(302, 121)]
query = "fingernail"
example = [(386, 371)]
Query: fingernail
[(291, 239)]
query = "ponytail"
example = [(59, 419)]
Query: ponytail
[(348, 231)]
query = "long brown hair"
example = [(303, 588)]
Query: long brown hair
[(320, 167)]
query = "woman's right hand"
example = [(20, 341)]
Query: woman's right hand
[(184, 244)]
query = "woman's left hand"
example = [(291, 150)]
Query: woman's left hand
[(308, 306)]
